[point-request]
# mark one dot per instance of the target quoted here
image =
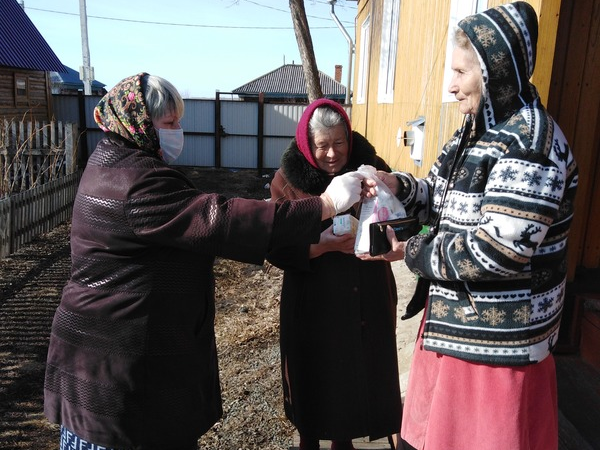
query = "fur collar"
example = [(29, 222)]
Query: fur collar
[(303, 176)]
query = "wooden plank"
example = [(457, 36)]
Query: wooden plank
[(568, 436), (591, 256), (548, 14), (25, 215), (579, 396), (590, 338), (359, 444), (37, 105), (586, 149), (577, 114)]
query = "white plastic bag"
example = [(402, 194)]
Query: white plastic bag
[(384, 206)]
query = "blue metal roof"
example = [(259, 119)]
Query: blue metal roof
[(288, 81), (21, 44), (70, 79)]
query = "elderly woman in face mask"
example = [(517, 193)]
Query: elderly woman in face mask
[(338, 313), (132, 360), (500, 200)]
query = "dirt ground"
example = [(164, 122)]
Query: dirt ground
[(247, 330)]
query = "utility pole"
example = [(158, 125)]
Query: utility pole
[(86, 71)]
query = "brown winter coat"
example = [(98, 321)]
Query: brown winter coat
[(338, 322), (132, 359)]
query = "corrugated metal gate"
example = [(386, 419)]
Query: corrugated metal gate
[(219, 132)]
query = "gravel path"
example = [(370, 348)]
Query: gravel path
[(31, 282)]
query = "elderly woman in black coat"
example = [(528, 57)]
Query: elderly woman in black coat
[(338, 313)]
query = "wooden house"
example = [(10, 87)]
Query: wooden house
[(400, 102), (69, 83), (25, 60), (286, 84)]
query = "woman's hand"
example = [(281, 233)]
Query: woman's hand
[(343, 192), (329, 242), (395, 254), (389, 179)]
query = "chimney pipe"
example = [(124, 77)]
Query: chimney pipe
[(338, 73)]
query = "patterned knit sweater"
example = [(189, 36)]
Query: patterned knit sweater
[(498, 260)]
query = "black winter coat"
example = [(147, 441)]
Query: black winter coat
[(338, 323)]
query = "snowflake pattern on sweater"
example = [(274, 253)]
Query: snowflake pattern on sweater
[(498, 259)]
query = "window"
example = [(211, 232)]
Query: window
[(365, 56), (389, 44), (21, 89), (459, 9)]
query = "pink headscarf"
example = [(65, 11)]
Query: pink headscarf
[(302, 138)]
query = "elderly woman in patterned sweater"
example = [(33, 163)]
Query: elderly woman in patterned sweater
[(502, 190)]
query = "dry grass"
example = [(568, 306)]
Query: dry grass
[(247, 330)]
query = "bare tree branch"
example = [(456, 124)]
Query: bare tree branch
[(307, 54)]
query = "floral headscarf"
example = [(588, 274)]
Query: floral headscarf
[(123, 111)]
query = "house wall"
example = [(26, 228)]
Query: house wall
[(38, 106), (575, 104), (419, 86), (566, 75), (419, 79)]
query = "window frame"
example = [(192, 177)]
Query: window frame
[(365, 56), (459, 9), (388, 51), (21, 93)]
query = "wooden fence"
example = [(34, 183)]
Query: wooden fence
[(38, 180), (28, 214), (32, 154)]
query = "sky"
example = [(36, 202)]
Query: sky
[(201, 46)]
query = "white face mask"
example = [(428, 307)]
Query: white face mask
[(171, 143)]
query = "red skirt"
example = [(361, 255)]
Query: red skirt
[(453, 404)]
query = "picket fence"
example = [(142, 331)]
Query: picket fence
[(35, 153), (38, 180), (28, 214)]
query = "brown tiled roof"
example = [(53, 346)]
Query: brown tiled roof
[(288, 81)]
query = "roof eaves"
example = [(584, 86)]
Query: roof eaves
[(288, 80)]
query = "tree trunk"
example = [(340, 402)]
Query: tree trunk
[(309, 63)]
